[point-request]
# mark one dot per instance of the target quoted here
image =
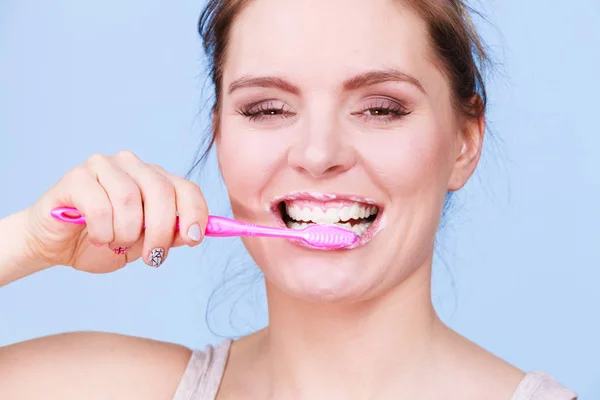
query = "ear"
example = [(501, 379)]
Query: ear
[(469, 144)]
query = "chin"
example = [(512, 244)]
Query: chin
[(343, 276)]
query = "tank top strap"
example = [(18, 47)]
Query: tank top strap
[(204, 372), (538, 385)]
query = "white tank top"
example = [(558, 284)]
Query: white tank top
[(204, 372)]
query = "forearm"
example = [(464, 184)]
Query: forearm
[(17, 258)]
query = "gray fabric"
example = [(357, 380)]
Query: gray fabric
[(203, 374), (537, 385)]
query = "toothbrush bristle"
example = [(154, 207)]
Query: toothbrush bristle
[(329, 236)]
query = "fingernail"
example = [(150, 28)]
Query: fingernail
[(98, 245), (120, 250), (194, 233), (156, 257)]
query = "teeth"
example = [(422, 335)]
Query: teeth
[(359, 228), (355, 211), (331, 215), (345, 214), (305, 214), (318, 214), (338, 216)]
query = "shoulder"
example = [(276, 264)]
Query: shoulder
[(471, 372), (488, 376), (92, 365)]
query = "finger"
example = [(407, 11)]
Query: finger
[(82, 191), (125, 254), (133, 252), (178, 241), (125, 199), (191, 208), (160, 212)]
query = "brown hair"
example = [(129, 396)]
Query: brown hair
[(458, 49)]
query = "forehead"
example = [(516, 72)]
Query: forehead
[(326, 40)]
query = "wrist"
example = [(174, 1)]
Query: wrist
[(31, 255), (18, 246)]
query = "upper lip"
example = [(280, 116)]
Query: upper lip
[(324, 197)]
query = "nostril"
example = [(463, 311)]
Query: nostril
[(322, 172), (322, 157), (336, 169)]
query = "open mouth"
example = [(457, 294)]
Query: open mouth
[(357, 216)]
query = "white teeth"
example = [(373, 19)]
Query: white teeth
[(330, 215), (301, 216), (318, 214), (345, 214), (359, 228), (306, 214), (355, 211), (292, 213)]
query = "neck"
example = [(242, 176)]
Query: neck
[(350, 350)]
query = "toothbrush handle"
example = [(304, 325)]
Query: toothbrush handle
[(68, 214), (216, 226), (223, 227)]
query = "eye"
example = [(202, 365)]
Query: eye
[(266, 110), (382, 110)]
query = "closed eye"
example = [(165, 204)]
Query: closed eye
[(266, 110), (382, 110)]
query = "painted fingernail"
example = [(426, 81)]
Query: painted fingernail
[(156, 257), (195, 233), (120, 250)]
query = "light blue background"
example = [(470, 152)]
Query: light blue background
[(82, 77)]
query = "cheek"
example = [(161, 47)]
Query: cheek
[(410, 162), (248, 160)]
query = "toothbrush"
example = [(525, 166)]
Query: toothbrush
[(327, 237)]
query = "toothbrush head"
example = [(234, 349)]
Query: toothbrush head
[(328, 237)]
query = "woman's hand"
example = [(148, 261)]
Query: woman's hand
[(118, 196)]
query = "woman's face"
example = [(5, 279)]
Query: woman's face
[(333, 111)]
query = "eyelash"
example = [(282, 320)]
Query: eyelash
[(260, 111), (390, 111)]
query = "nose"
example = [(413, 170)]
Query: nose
[(322, 150)]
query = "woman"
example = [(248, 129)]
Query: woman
[(362, 112)]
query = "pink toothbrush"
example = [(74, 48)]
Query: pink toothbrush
[(329, 237)]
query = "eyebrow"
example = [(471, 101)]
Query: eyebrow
[(379, 76), (368, 78), (263, 82)]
